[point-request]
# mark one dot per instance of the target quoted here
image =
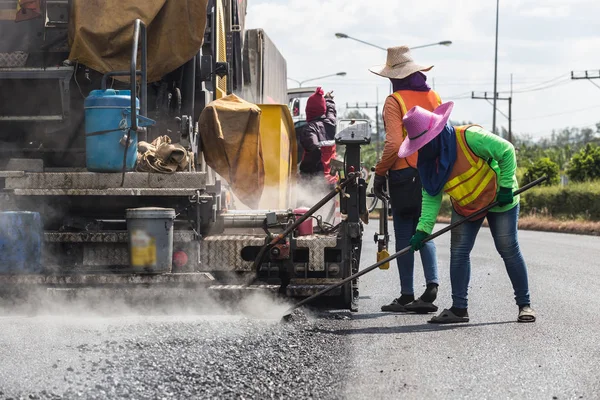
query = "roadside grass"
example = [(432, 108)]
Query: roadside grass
[(574, 208)]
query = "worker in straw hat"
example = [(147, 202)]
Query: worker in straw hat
[(475, 168), (409, 89)]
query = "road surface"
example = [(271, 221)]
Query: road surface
[(367, 355)]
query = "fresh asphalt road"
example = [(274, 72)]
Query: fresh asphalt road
[(492, 357), (367, 355)]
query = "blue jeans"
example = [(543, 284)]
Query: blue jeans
[(503, 227), (404, 228)]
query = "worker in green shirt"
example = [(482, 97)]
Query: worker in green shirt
[(475, 168)]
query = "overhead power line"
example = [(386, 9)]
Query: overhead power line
[(509, 116), (588, 75), (558, 113)]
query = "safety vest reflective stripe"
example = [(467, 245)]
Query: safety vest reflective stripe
[(489, 175), (463, 146), (468, 186), (403, 104), (402, 108)]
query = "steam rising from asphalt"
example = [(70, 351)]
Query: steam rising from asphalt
[(172, 302)]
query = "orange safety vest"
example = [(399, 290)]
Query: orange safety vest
[(434, 99), (472, 183)]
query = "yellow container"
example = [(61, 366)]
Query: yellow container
[(382, 255), (279, 150)]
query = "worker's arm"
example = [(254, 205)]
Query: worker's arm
[(330, 120), (392, 118), (308, 138), (489, 146), (430, 208)]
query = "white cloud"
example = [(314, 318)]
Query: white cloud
[(539, 40)]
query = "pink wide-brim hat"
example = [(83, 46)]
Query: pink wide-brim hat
[(422, 126)]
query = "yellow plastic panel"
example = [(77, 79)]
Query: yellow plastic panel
[(279, 149)]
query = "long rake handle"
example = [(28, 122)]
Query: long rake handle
[(407, 249)]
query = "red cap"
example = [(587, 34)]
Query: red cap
[(315, 106)]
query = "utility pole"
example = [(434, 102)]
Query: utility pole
[(376, 107), (589, 75), (496, 68), (509, 116)]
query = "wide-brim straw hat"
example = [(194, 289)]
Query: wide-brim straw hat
[(399, 64), (422, 126)]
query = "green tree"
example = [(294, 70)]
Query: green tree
[(539, 168), (585, 165)]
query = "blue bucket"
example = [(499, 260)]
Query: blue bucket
[(21, 239), (107, 119)]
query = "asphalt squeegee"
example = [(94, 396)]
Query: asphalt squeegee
[(405, 250)]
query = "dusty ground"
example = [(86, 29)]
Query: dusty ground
[(367, 355)]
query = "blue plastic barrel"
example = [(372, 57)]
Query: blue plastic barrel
[(107, 117), (21, 239)]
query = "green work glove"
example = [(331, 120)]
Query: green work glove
[(416, 241), (505, 196)]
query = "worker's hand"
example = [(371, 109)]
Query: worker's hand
[(379, 186), (329, 95), (504, 196), (416, 241)]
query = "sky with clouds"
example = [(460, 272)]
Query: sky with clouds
[(540, 43)]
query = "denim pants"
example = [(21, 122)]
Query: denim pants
[(503, 227), (405, 227)]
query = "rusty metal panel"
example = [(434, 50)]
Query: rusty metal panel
[(102, 181)]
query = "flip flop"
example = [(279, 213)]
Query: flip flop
[(526, 314), (421, 307), (448, 317)]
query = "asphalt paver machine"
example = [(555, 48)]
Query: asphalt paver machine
[(86, 243)]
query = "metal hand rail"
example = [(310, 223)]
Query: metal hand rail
[(139, 28)]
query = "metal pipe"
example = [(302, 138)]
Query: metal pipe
[(144, 84), (254, 212), (250, 220), (408, 248), (133, 75)]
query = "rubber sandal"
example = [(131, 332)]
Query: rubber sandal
[(421, 307), (526, 314), (448, 317), (394, 306)]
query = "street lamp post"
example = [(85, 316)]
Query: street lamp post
[(344, 36), (314, 79)]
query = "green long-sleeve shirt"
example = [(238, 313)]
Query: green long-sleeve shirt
[(502, 159)]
